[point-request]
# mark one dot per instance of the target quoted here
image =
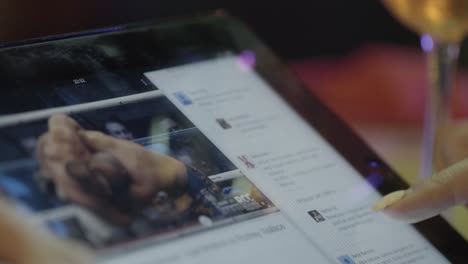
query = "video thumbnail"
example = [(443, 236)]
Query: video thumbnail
[(149, 174)]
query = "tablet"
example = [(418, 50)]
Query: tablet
[(208, 151)]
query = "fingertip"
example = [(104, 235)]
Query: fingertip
[(408, 206), (58, 116), (59, 120), (389, 200), (62, 133)]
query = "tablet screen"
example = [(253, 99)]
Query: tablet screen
[(201, 162)]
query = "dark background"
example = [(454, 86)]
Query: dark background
[(294, 29)]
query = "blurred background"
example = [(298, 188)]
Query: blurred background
[(352, 54)]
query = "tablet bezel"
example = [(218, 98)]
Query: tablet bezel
[(328, 124)]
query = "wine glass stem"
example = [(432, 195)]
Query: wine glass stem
[(441, 62)]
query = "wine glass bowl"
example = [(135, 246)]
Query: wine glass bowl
[(444, 20)]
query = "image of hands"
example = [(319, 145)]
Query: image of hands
[(128, 173)]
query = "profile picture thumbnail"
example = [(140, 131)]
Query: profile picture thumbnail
[(316, 216), (183, 98), (223, 123)]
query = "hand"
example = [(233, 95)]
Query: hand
[(430, 197), (150, 171), (59, 146), (441, 191), (455, 147), (23, 243), (67, 149)]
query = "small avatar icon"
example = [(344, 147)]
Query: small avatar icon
[(346, 260), (183, 98), (246, 162), (316, 216), (223, 123)]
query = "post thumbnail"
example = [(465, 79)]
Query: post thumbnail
[(139, 171)]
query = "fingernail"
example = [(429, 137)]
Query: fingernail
[(388, 200)]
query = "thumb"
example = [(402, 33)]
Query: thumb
[(430, 197), (97, 141)]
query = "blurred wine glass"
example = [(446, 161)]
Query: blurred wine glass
[(442, 25)]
